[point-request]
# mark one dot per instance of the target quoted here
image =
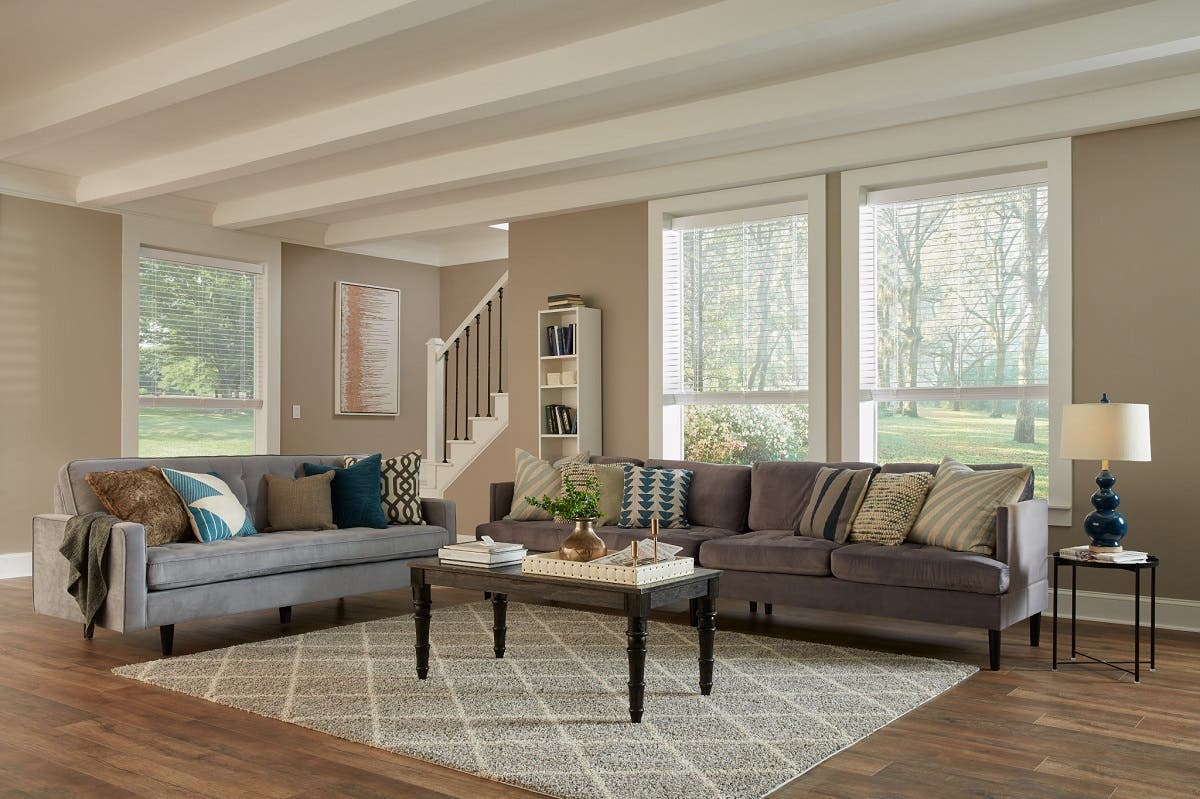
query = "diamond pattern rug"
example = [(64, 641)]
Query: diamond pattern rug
[(552, 716)]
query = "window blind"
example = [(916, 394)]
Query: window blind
[(199, 333), (735, 311), (953, 293)]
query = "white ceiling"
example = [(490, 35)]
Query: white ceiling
[(405, 127)]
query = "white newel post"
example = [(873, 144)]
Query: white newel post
[(435, 399)]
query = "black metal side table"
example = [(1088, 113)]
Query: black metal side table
[(1150, 563)]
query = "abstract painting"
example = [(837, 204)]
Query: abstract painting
[(367, 377)]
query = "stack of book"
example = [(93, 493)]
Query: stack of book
[(556, 301), (485, 553), (561, 420), (1085, 553), (561, 339)]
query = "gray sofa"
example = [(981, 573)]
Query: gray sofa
[(165, 585), (743, 522)]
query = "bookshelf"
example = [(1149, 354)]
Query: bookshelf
[(582, 393)]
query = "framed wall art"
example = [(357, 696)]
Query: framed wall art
[(367, 350)]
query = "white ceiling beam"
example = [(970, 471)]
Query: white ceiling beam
[(694, 38), (270, 40), (1088, 112), (1071, 49)]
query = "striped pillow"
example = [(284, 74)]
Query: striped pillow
[(960, 511), (537, 478), (836, 496)]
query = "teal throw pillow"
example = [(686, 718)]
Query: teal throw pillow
[(655, 493), (213, 510), (356, 492)]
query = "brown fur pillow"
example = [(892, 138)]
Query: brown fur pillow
[(144, 496)]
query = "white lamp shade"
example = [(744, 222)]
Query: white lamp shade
[(1100, 431)]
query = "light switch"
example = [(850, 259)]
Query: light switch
[(295, 411)]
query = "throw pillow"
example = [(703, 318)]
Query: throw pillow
[(891, 506), (610, 476), (401, 490), (835, 499), (960, 511), (305, 503), (143, 496), (655, 493), (356, 491), (537, 478), (213, 510)]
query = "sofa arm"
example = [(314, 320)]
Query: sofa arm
[(441, 512), (124, 607), (500, 500), (1022, 540)]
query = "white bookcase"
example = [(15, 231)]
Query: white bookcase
[(583, 393)]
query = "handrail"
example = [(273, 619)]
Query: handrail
[(479, 308)]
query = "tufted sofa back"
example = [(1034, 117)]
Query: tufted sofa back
[(245, 474)]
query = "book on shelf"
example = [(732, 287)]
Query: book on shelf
[(560, 339), (561, 420), (485, 552), (1084, 553), (559, 301)]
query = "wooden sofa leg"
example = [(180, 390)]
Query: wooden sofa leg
[(754, 607), (770, 608), (166, 635), (1035, 629), (89, 630), (994, 649), (285, 615)]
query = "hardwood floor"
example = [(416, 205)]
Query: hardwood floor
[(70, 728)]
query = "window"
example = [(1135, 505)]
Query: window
[(200, 355), (736, 336), (953, 310)]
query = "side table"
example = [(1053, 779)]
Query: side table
[(1150, 563)]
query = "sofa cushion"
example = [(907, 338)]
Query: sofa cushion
[(655, 494), (890, 508), (356, 492), (960, 511), (779, 491), (772, 551), (610, 477), (837, 495), (181, 565), (213, 510), (720, 492), (920, 566), (905, 468), (144, 496), (543, 536), (401, 487), (300, 503), (537, 478)]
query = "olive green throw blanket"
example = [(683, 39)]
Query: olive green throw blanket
[(84, 545)]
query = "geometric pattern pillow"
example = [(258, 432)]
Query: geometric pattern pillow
[(655, 493), (891, 506), (401, 491), (213, 510), (536, 478), (960, 511), (834, 502), (611, 478)]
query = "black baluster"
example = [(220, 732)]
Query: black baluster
[(489, 363), (457, 358), (500, 348), (445, 403), (476, 364), (466, 382)]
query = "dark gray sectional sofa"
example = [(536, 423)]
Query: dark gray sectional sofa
[(164, 585), (743, 521)]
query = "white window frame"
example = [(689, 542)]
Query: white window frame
[(202, 246), (996, 168), (764, 201)]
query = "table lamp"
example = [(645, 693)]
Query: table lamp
[(1104, 431)]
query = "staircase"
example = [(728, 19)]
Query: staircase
[(467, 407)]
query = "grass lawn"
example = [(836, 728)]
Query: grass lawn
[(966, 436), (169, 432)]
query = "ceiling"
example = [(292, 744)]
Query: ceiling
[(405, 127)]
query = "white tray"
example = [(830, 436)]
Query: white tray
[(550, 563)]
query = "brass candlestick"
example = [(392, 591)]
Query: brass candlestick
[(654, 536)]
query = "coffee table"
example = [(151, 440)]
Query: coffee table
[(700, 588)]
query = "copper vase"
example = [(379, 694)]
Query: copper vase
[(582, 544)]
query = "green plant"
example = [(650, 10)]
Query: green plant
[(574, 502)]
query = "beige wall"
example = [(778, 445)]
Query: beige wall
[(1136, 327), (307, 360), (60, 351), (602, 255), (462, 287)]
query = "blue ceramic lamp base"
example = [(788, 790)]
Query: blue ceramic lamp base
[(1106, 525)]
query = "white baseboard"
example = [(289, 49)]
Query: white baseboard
[(16, 564), (1171, 614)]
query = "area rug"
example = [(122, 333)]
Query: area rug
[(552, 716)]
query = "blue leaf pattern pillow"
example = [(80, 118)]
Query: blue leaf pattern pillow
[(652, 492)]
